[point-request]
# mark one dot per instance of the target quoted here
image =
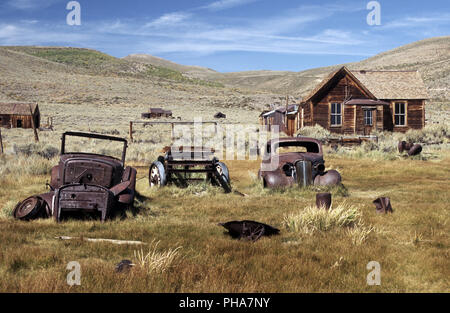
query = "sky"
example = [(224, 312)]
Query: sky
[(228, 35)]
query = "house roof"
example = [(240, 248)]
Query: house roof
[(17, 108), (393, 84), (326, 82), (292, 108), (160, 111), (156, 110), (379, 84)]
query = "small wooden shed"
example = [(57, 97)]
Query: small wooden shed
[(157, 112), (19, 115), (283, 117)]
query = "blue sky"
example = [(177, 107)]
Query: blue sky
[(227, 35)]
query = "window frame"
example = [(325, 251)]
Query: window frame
[(336, 114), (368, 118), (404, 114)]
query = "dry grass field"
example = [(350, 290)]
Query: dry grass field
[(412, 244), (192, 254), (185, 250)]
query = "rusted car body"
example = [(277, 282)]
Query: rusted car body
[(180, 165), (83, 182), (303, 166)]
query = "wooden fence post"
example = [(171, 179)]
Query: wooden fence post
[(1, 142), (36, 137), (131, 131)]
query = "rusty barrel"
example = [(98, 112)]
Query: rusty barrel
[(416, 149), (404, 146), (401, 146), (323, 200)]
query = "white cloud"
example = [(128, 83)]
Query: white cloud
[(418, 21), (8, 31), (30, 4), (169, 19), (226, 4)]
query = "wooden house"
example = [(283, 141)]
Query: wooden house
[(157, 112), (19, 115), (360, 102)]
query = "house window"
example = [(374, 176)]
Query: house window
[(400, 113), (368, 117), (19, 123), (336, 114)]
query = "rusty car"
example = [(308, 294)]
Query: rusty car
[(86, 183), (295, 161), (181, 165)]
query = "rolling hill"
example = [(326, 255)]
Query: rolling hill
[(75, 75), (431, 57)]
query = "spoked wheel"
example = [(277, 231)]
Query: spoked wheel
[(223, 176), (157, 175), (30, 208)]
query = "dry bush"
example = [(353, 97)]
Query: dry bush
[(26, 165), (360, 233), (315, 131), (156, 261), (312, 219)]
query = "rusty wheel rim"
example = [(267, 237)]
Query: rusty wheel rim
[(26, 207)]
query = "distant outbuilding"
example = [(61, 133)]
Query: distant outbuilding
[(19, 115), (157, 112)]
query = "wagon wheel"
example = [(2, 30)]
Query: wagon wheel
[(28, 209), (223, 176), (157, 175)]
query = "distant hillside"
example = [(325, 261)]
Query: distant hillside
[(83, 76), (74, 75), (93, 62), (430, 57), (190, 70)]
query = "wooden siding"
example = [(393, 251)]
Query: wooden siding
[(19, 121), (415, 119), (5, 120), (344, 87), (416, 114), (348, 119)]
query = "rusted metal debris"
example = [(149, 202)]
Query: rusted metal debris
[(220, 115), (411, 148), (415, 150), (180, 164), (124, 266), (404, 146), (249, 230), (323, 200), (302, 167), (83, 183), (383, 205)]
